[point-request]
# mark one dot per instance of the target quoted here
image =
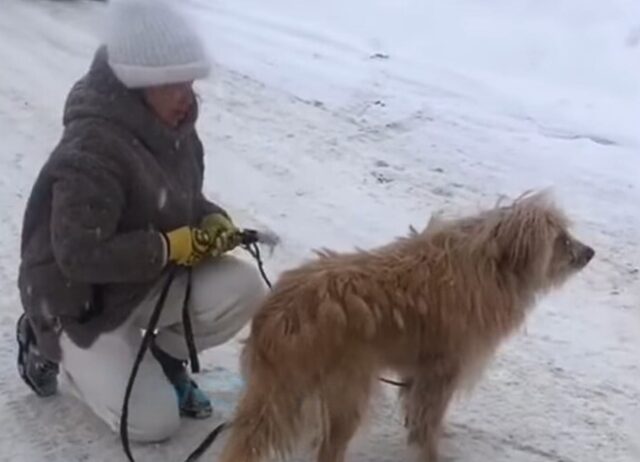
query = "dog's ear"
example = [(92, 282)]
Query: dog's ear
[(435, 222), (521, 236), (513, 243)]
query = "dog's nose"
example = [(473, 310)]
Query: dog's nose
[(588, 254)]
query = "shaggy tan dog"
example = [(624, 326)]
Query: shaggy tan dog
[(431, 307)]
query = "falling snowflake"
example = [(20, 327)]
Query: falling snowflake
[(162, 198), (45, 310)]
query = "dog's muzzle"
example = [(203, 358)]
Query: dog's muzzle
[(584, 256)]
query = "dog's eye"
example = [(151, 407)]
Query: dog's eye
[(564, 240)]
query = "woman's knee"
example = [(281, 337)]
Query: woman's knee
[(253, 288), (239, 279), (154, 417), (227, 295)]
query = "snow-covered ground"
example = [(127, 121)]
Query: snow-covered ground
[(340, 124)]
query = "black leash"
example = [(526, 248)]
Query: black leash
[(395, 383), (208, 441), (188, 327), (250, 243), (254, 249), (144, 346)]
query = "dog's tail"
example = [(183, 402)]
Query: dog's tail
[(268, 418)]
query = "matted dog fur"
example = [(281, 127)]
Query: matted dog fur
[(431, 307)]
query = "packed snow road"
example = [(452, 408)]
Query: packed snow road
[(336, 137)]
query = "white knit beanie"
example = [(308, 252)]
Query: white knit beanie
[(148, 44)]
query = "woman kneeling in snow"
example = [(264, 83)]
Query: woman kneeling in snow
[(118, 202)]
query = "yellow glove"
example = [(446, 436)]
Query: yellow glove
[(224, 233), (188, 246)]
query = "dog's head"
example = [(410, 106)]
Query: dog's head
[(530, 240)]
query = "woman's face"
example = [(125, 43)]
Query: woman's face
[(171, 103)]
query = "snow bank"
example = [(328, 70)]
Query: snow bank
[(570, 65)]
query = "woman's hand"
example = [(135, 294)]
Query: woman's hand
[(226, 236), (188, 246)]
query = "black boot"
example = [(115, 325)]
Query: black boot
[(40, 374), (191, 400)]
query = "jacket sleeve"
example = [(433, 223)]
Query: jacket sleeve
[(207, 207), (87, 202)]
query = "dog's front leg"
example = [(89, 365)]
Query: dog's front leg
[(426, 401)]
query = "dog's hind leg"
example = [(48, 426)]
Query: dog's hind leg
[(344, 398), (426, 402), (266, 423)]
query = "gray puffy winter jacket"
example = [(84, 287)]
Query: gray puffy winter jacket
[(91, 247)]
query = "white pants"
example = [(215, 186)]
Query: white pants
[(225, 293)]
